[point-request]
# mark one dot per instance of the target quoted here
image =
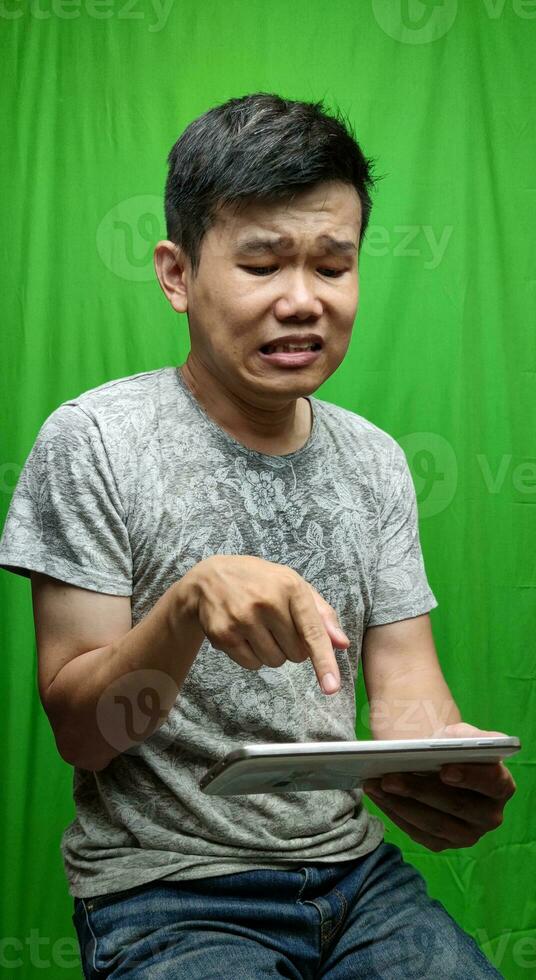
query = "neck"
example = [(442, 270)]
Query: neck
[(278, 430)]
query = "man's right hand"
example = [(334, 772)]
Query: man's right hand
[(262, 614)]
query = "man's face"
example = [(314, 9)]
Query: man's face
[(271, 271)]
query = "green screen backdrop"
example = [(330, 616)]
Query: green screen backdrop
[(443, 354)]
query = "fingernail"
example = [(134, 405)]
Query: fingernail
[(329, 683), (452, 776)]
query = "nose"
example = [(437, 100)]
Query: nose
[(298, 297)]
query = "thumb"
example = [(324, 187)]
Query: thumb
[(461, 729), (336, 634)]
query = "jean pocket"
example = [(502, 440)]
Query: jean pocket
[(102, 901)]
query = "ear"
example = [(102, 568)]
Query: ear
[(170, 265)]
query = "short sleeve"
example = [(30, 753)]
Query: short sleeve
[(66, 518), (401, 588)]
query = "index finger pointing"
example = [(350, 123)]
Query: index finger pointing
[(314, 636)]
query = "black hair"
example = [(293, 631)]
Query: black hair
[(260, 147)]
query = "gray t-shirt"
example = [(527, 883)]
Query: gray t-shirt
[(126, 488)]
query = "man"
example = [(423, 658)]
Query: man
[(207, 544)]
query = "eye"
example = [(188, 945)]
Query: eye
[(260, 270)]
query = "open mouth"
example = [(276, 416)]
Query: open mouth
[(289, 348)]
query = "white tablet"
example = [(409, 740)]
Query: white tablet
[(301, 767)]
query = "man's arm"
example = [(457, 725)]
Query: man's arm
[(107, 686), (409, 698), (407, 693)]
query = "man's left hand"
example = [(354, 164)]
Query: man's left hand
[(438, 813)]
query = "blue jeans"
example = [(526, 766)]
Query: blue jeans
[(370, 917)]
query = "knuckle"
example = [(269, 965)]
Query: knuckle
[(496, 818), (437, 827), (229, 637), (510, 790), (458, 805), (312, 633), (471, 839), (274, 660), (224, 635), (256, 605), (242, 661), (298, 657), (294, 579), (247, 616), (245, 622)]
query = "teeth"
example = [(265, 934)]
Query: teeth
[(288, 348)]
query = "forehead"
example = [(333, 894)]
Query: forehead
[(327, 216)]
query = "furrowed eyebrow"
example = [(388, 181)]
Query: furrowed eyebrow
[(336, 245), (256, 244)]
